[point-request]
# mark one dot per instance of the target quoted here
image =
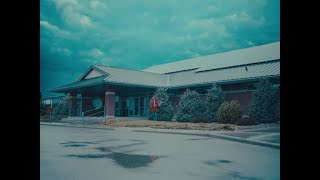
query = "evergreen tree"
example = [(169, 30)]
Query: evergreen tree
[(62, 109), (42, 106), (215, 98), (265, 104), (190, 107), (165, 110)]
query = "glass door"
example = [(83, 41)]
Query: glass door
[(133, 106), (137, 106)]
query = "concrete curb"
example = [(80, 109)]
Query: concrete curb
[(68, 125), (219, 136), (253, 142)]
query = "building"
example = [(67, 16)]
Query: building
[(111, 91), (52, 101)]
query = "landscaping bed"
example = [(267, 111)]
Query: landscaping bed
[(170, 125)]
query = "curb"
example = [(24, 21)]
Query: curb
[(224, 137), (252, 142), (65, 125)]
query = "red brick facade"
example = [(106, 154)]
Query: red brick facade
[(238, 92), (110, 103), (244, 98), (86, 103)]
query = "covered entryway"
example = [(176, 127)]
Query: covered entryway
[(110, 101)]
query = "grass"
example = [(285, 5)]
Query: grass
[(170, 125)]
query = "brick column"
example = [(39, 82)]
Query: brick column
[(109, 103), (72, 104)]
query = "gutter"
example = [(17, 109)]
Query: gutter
[(58, 90)]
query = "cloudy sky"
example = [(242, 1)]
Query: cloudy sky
[(136, 34)]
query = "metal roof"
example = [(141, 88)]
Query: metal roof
[(250, 55), (238, 67), (127, 76), (225, 74)]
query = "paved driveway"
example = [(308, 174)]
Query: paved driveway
[(84, 153)]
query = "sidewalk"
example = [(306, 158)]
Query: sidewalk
[(91, 126), (254, 138)]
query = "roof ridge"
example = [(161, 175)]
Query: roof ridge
[(130, 69)]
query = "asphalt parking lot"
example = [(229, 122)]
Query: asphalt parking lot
[(86, 153)]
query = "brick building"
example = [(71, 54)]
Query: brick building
[(111, 91)]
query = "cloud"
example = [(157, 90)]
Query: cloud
[(94, 4), (62, 3), (73, 18), (212, 8), (243, 18), (72, 13), (136, 34), (65, 51), (93, 53), (54, 29), (211, 25)]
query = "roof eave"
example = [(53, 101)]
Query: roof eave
[(223, 82), (64, 90)]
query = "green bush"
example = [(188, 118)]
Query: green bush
[(214, 99), (190, 107), (165, 111), (229, 112), (265, 105)]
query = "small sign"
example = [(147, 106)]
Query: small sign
[(49, 110)]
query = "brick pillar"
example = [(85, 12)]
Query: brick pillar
[(73, 104), (110, 103)]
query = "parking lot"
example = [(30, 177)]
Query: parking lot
[(87, 153)]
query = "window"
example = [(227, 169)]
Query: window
[(96, 102)]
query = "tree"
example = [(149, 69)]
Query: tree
[(265, 103), (190, 107), (42, 106), (215, 98), (165, 110), (62, 109)]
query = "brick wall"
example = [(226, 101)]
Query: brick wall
[(237, 86), (110, 103)]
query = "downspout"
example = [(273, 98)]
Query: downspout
[(168, 79)]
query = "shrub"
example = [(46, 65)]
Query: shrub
[(201, 119), (190, 107), (215, 98), (229, 112), (165, 111), (265, 105), (246, 121)]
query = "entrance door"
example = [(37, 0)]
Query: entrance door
[(79, 105), (133, 106)]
